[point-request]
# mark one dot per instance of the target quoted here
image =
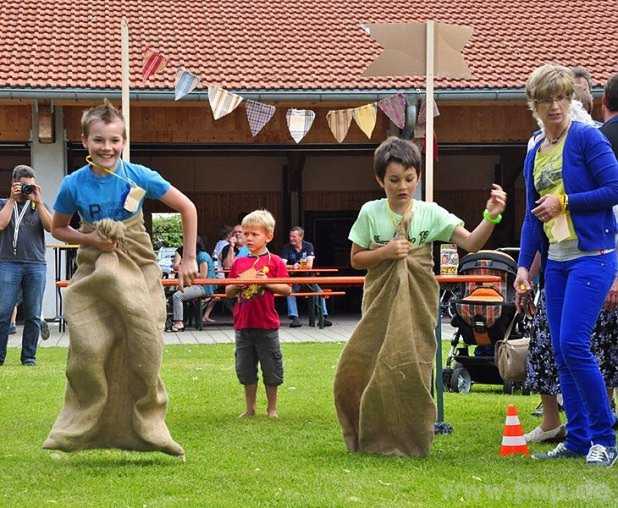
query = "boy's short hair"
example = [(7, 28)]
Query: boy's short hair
[(22, 171), (395, 149), (262, 218), (611, 93), (106, 113)]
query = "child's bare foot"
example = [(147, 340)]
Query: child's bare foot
[(247, 414), (272, 413)]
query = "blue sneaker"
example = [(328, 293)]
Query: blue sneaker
[(559, 452), (602, 456), (12, 330)]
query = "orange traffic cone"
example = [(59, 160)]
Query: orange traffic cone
[(513, 440)]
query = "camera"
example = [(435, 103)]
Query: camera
[(26, 188)]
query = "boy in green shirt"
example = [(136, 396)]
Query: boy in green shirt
[(383, 381)]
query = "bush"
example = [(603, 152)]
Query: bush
[(166, 230)]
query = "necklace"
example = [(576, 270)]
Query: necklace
[(395, 219), (555, 140)]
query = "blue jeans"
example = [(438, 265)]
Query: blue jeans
[(29, 278), (575, 291), (291, 300)]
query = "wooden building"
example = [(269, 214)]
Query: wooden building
[(62, 57)]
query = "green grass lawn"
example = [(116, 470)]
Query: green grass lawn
[(297, 460)]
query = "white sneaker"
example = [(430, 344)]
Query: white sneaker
[(538, 435), (602, 456)]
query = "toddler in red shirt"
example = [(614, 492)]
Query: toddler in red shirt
[(256, 322)]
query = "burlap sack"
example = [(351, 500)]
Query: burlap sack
[(115, 309), (383, 380)]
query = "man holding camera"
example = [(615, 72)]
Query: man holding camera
[(23, 219)]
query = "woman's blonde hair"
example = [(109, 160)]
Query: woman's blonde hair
[(548, 81), (106, 113), (262, 218)]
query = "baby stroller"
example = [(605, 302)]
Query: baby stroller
[(483, 314)]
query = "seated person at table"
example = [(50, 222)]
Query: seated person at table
[(206, 269), (300, 254), (235, 249)]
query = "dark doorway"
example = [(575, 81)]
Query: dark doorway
[(328, 231)]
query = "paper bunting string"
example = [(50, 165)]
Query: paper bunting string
[(258, 115), (153, 62), (395, 108), (339, 122), (185, 83), (299, 122), (365, 117), (222, 102)]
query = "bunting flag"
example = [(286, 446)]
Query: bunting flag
[(339, 121), (153, 62), (421, 122), (395, 108), (422, 113), (365, 117), (222, 102), (299, 122), (186, 82), (258, 115)]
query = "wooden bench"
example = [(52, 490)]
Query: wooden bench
[(314, 308)]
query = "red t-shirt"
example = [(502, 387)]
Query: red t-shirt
[(257, 311)]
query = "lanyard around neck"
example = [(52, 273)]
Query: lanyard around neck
[(109, 171), (18, 216)]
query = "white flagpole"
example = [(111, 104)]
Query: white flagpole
[(124, 34), (429, 112)]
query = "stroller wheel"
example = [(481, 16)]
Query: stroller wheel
[(461, 382), (447, 374)]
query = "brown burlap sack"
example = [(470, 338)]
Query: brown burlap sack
[(383, 380), (115, 309)]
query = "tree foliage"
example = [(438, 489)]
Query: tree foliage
[(166, 230)]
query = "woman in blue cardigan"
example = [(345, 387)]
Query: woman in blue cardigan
[(571, 178)]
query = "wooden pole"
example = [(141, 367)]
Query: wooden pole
[(124, 35), (429, 112)]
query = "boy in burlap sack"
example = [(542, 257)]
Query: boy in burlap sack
[(115, 306), (383, 380)]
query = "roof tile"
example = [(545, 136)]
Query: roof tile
[(291, 44)]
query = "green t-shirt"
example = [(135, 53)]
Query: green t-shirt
[(376, 223)]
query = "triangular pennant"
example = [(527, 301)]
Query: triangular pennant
[(299, 122), (222, 102), (258, 115), (395, 108), (422, 118), (153, 62), (339, 121), (421, 122), (185, 83), (365, 118)]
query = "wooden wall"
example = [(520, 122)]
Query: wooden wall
[(218, 208), (488, 123), (197, 125), (194, 123), (15, 123)]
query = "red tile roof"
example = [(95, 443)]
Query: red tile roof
[(291, 44)]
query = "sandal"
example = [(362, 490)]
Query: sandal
[(178, 328)]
